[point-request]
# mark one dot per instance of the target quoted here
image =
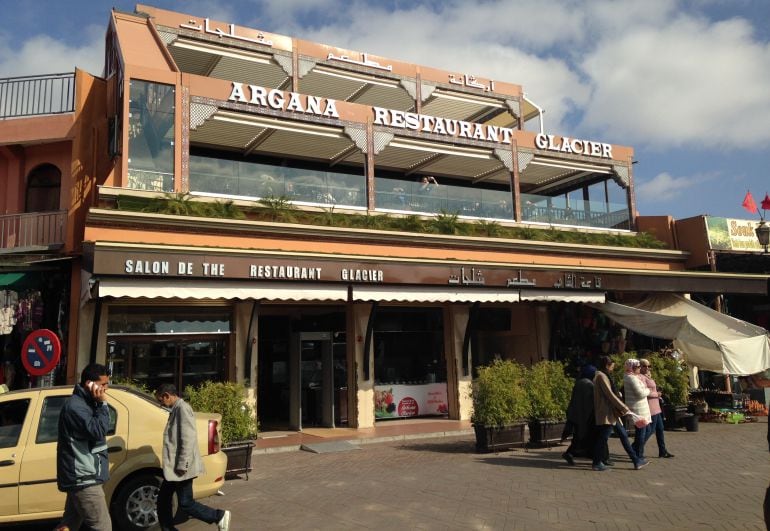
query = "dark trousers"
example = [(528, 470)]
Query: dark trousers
[(640, 437), (184, 496), (766, 507), (604, 435), (657, 427)]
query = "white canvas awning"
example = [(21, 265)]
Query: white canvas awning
[(212, 289), (708, 339), (558, 295), (418, 294)]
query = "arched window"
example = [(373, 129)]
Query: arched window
[(43, 186)]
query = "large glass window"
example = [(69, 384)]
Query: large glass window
[(409, 346), (151, 136), (409, 365), (428, 194), (300, 181), (168, 344)]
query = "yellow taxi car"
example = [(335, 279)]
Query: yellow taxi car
[(28, 432)]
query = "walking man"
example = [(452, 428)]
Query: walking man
[(181, 464), (81, 452)]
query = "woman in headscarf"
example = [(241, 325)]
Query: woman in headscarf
[(608, 408), (636, 393), (580, 414)]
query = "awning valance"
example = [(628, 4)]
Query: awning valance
[(708, 339), (558, 295), (418, 294), (210, 289)]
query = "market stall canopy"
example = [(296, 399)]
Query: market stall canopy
[(708, 339)]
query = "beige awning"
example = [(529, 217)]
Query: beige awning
[(213, 289), (418, 294), (558, 295)]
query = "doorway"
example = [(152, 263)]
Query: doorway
[(302, 377)]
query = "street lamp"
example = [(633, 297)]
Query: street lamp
[(763, 234)]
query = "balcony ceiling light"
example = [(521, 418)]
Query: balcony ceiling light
[(569, 165), (281, 125), (434, 147), (222, 52), (356, 77), (486, 102)]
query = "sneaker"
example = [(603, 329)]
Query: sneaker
[(666, 455), (224, 522), (609, 463), (568, 458), (641, 463), (600, 467)]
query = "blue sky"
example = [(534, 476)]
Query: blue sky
[(685, 83)]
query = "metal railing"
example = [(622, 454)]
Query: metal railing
[(32, 231), (37, 95)]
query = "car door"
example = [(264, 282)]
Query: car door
[(37, 478), (38, 492), (15, 422)]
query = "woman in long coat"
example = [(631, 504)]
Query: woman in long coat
[(580, 415), (608, 408)]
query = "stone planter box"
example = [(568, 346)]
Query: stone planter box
[(498, 438), (544, 432), (238, 458)]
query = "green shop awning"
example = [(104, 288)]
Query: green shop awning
[(14, 280)]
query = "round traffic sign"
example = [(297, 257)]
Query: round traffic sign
[(40, 352)]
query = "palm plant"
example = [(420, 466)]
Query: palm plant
[(279, 208)]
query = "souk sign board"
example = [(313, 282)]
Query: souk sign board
[(726, 234), (409, 400)]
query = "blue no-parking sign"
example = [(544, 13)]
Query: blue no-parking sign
[(40, 352)]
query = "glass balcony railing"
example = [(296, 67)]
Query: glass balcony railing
[(428, 198), (155, 181), (250, 180), (556, 211)]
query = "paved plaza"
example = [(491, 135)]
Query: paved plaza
[(716, 481)]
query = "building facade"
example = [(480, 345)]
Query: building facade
[(237, 231)]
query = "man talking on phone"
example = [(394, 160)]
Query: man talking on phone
[(81, 452)]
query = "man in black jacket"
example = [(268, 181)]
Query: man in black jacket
[(81, 452)]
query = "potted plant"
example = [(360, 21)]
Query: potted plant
[(549, 390), (500, 406), (239, 426)]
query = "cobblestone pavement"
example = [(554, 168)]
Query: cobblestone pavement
[(716, 481)]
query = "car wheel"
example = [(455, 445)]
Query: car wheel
[(134, 506)]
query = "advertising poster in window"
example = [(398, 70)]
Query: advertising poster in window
[(402, 401)]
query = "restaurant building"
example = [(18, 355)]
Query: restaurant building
[(336, 323)]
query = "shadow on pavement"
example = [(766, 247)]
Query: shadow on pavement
[(449, 447)]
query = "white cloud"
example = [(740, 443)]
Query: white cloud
[(689, 82), (41, 54), (665, 187)]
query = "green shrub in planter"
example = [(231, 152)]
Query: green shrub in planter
[(549, 390), (498, 394), (227, 399)]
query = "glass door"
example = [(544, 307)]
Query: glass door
[(316, 380)]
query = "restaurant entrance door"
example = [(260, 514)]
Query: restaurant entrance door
[(319, 382)]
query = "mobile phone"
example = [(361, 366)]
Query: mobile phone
[(93, 386)]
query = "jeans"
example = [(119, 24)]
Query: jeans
[(184, 496), (603, 436), (640, 437), (657, 427), (86, 505)]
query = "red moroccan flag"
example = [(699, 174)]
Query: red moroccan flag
[(749, 204), (766, 202)]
